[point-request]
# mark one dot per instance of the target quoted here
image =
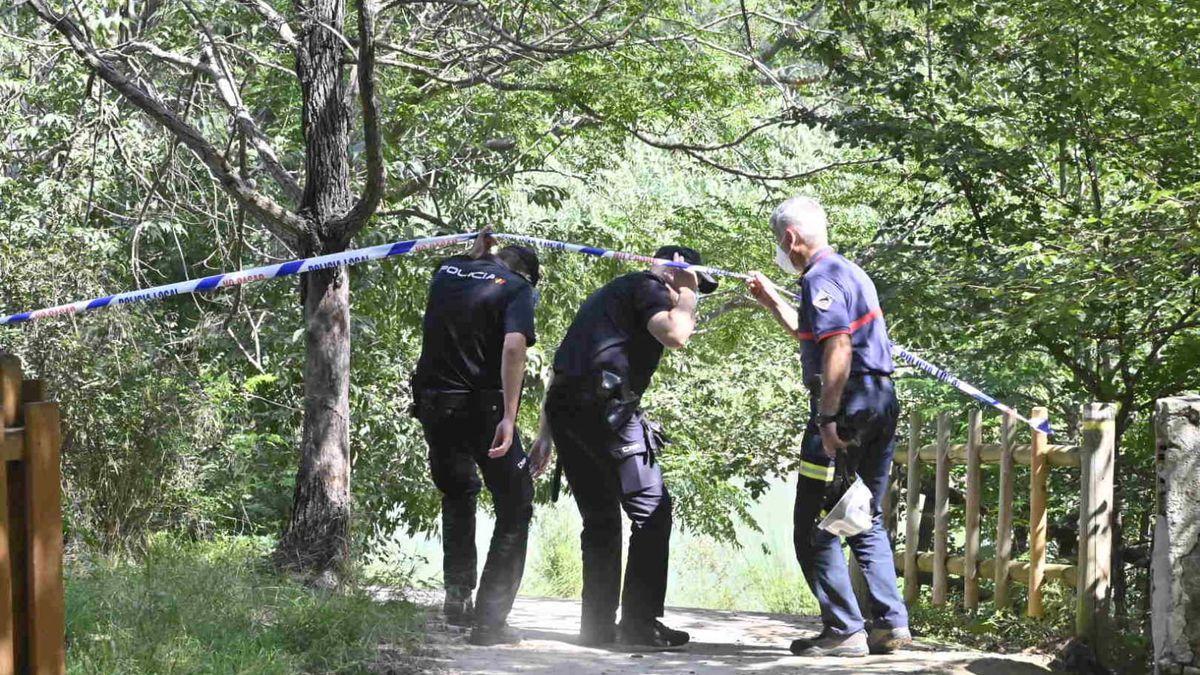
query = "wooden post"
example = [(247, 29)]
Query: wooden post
[(12, 595), (1038, 473), (941, 510), (1095, 518), (912, 532), (44, 532), (10, 373), (10, 391), (890, 508), (974, 491), (1004, 516), (8, 647)]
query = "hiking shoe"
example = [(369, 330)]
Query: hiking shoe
[(805, 642), (459, 611), (649, 636), (851, 645), (502, 634), (598, 635), (888, 640)]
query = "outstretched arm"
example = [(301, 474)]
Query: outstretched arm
[(767, 295)]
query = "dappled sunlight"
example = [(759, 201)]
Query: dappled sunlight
[(722, 642)]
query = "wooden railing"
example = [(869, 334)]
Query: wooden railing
[(1089, 574), (32, 619)]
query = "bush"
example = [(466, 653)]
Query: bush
[(556, 569)]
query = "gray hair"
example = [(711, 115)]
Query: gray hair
[(805, 217)]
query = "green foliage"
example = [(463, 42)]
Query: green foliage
[(212, 607), (556, 571), (1021, 181)]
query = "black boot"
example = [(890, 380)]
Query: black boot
[(649, 636)]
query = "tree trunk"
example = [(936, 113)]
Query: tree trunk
[(318, 535), (317, 538)]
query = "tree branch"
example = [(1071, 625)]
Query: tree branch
[(280, 221), (232, 99), (350, 224), (215, 67), (696, 153), (274, 19)]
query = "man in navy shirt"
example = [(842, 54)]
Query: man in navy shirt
[(847, 364), (607, 447), (467, 389)]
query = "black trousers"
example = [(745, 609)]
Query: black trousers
[(603, 485), (459, 428)]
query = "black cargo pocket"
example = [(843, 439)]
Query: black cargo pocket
[(627, 440)]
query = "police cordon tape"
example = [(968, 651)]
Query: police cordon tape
[(1040, 423), (356, 256), (218, 281)]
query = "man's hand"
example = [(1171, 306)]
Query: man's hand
[(503, 439), (539, 454), (830, 442), (483, 243), (683, 278), (762, 290)]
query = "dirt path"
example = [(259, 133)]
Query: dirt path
[(722, 642)]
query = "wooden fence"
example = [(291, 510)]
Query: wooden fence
[(1089, 574), (32, 620)]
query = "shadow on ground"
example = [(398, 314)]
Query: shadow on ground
[(722, 642)]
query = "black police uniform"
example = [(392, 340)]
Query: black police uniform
[(607, 448), (459, 398)]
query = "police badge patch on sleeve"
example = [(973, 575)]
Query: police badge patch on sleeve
[(823, 301)]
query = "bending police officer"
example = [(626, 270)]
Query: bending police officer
[(607, 447), (847, 364), (467, 389)]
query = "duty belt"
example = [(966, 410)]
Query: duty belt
[(813, 384)]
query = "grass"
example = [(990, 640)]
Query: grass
[(216, 607)]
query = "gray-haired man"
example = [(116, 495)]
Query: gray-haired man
[(847, 364)]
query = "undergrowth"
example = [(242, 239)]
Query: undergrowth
[(217, 607)]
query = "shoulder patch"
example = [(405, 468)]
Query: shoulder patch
[(823, 300)]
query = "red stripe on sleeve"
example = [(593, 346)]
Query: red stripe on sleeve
[(840, 331)]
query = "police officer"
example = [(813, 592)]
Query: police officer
[(847, 364), (607, 448), (467, 389)]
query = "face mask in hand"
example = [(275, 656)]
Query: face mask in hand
[(784, 262)]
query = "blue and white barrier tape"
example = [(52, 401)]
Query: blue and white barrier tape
[(218, 281), (1039, 424), (356, 256)]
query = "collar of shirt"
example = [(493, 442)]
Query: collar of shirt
[(820, 255)]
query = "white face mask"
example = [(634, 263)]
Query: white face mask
[(785, 262)]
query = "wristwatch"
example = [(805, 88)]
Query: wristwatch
[(823, 420)]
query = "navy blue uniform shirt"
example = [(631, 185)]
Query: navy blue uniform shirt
[(838, 298), (609, 332), (472, 305)]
